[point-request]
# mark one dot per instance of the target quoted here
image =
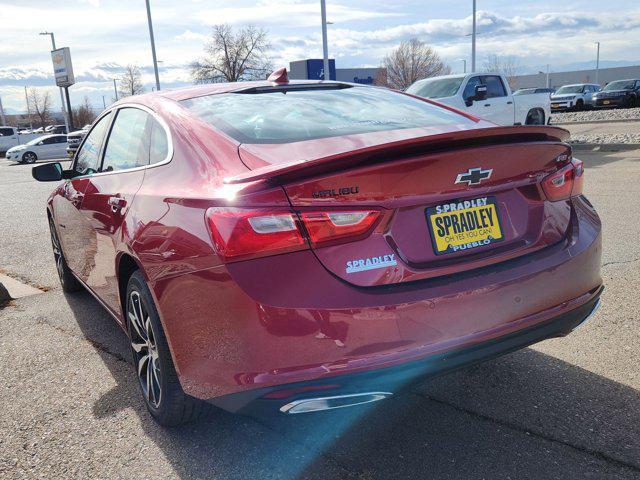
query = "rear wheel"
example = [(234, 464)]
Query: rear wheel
[(68, 281), (161, 390), (535, 117), (29, 157)]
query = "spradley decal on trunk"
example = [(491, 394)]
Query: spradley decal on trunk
[(363, 264), (452, 207)]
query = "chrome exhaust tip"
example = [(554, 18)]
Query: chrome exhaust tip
[(307, 405)]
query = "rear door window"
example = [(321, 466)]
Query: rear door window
[(88, 157), (159, 148), (495, 87), (6, 132), (128, 142)]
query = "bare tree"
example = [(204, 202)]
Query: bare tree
[(84, 114), (40, 105), (381, 79), (413, 60), (131, 81), (232, 56), (507, 66)]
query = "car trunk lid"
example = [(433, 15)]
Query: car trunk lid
[(490, 176)]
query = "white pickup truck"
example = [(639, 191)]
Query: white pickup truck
[(9, 137), (485, 95)]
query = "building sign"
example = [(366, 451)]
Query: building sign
[(364, 81), (62, 68), (315, 69)]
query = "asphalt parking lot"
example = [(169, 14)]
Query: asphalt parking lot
[(565, 408)]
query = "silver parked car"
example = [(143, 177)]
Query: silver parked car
[(41, 148), (574, 97)]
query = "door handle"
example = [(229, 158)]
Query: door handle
[(117, 203), (509, 103), (487, 104)]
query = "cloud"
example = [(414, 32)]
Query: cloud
[(108, 35), (188, 36), (294, 13), (491, 24)]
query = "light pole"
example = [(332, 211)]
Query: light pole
[(153, 45), (64, 110), (473, 40), (26, 97), (597, 62), (325, 47), (465, 63), (548, 77), (4, 121)]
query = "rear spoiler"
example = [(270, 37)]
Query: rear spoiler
[(283, 172)]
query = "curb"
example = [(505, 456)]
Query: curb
[(587, 122), (604, 147)]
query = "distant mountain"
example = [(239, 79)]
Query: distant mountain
[(569, 67), (11, 111)]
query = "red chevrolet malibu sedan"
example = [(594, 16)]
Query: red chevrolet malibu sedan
[(303, 246)]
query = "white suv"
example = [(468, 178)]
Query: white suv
[(574, 97)]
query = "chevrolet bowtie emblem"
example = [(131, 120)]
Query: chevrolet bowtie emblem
[(474, 176)]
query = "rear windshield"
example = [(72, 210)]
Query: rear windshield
[(293, 116), (570, 89), (445, 87), (620, 85)]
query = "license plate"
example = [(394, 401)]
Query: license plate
[(555, 105), (606, 102), (464, 225)]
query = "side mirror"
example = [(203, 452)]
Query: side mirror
[(48, 172), (40, 143), (480, 93)]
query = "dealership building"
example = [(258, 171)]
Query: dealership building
[(558, 79), (313, 69)]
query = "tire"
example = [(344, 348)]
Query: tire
[(633, 102), (69, 282), (29, 157), (580, 105), (166, 401), (535, 117)]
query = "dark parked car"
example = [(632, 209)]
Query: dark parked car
[(621, 93), (304, 246), (74, 139)]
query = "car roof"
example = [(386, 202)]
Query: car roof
[(185, 93), (50, 135)]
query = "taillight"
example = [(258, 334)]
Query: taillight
[(566, 182), (325, 227), (241, 234)]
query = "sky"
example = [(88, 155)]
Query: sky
[(105, 35)]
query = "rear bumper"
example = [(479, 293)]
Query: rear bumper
[(561, 105), (395, 379), (252, 327)]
